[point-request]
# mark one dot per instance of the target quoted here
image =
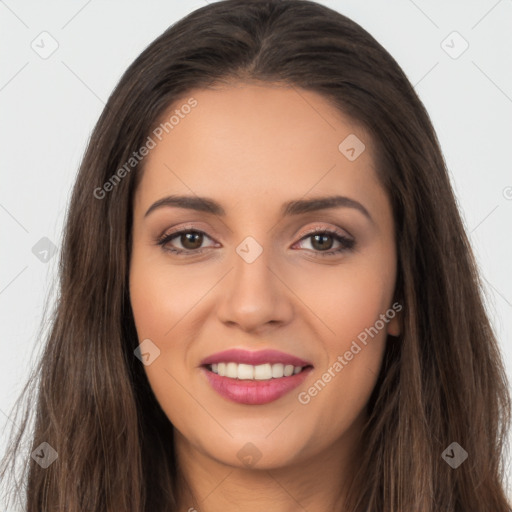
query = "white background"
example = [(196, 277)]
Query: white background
[(49, 107)]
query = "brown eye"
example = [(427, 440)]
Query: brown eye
[(326, 243), (191, 240), (185, 242), (322, 242)]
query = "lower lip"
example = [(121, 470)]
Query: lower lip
[(254, 392)]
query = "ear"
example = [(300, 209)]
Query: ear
[(394, 325)]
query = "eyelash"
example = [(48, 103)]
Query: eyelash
[(347, 244)]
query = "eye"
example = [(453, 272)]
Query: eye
[(189, 241), (322, 240)]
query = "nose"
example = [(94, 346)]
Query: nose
[(254, 296)]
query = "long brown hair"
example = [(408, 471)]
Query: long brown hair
[(442, 380)]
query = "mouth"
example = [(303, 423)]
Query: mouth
[(261, 372), (254, 377)]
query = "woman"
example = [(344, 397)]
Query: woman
[(268, 300)]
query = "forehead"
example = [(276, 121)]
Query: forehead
[(249, 141)]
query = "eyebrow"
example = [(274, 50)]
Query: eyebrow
[(297, 207)]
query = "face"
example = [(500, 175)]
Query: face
[(267, 267)]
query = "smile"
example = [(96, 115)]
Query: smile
[(254, 377), (265, 371)]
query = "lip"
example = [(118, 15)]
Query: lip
[(255, 357), (254, 392)]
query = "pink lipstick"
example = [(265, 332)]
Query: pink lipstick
[(254, 377)]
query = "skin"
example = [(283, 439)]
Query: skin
[(252, 147)]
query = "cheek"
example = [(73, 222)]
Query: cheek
[(343, 383), (162, 296), (346, 299), (161, 299), (349, 303)]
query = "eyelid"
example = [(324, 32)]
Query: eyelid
[(184, 227), (325, 229)]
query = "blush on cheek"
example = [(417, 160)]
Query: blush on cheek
[(156, 307), (351, 319), (349, 299)]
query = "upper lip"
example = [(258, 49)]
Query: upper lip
[(255, 357)]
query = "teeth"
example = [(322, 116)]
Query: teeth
[(278, 370), (245, 371), (265, 371), (232, 370)]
